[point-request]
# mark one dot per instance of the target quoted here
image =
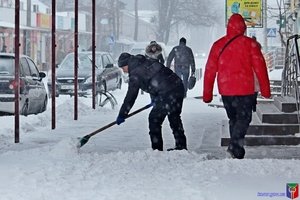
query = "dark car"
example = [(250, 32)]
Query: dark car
[(33, 94), (108, 76)]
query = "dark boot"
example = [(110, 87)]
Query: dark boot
[(236, 151), (178, 147), (157, 143)]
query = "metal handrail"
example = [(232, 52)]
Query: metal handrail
[(290, 73)]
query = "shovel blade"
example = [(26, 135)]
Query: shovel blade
[(83, 141)]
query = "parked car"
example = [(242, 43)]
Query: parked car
[(33, 94), (57, 88), (108, 75)]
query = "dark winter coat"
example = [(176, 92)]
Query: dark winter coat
[(150, 76), (183, 56), (236, 66)]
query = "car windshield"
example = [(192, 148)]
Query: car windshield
[(84, 61), (7, 66)]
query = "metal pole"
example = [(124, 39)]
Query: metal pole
[(17, 71), (93, 52), (265, 41), (53, 48), (76, 63)]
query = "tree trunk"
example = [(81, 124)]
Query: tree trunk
[(166, 10), (136, 27)]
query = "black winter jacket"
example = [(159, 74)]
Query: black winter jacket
[(150, 76), (183, 56)]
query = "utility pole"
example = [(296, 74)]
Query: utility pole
[(27, 42), (265, 19)]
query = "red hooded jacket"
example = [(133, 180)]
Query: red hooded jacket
[(236, 65)]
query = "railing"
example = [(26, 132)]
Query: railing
[(275, 58), (290, 73)]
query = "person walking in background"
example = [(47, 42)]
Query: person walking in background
[(154, 50), (166, 90), (234, 59), (183, 60)]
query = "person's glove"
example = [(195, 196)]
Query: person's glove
[(120, 120), (207, 98)]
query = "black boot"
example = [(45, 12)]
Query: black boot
[(236, 151), (179, 147)]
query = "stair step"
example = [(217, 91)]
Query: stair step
[(285, 104), (265, 140), (258, 128), (273, 129), (258, 138), (269, 113)]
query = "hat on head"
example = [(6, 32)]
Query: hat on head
[(123, 59), (182, 40)]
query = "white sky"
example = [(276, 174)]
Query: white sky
[(119, 164)]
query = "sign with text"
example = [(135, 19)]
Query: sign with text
[(251, 10)]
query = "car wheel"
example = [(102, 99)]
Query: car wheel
[(24, 110), (44, 107), (57, 94), (119, 86)]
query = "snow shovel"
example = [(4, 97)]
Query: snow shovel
[(85, 139)]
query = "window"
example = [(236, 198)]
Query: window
[(33, 69), (35, 8), (105, 60), (7, 66), (111, 60), (25, 71)]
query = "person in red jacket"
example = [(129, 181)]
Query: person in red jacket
[(234, 59)]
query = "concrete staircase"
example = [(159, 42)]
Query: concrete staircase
[(274, 123)]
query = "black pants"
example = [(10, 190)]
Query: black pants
[(239, 112), (170, 105)]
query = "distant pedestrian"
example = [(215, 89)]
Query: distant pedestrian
[(234, 59), (154, 50), (183, 62), (166, 90)]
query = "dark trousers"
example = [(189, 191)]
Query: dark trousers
[(169, 105), (183, 72), (239, 112)]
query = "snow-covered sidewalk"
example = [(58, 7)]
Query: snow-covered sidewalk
[(119, 164)]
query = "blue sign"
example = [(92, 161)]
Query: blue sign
[(271, 32)]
